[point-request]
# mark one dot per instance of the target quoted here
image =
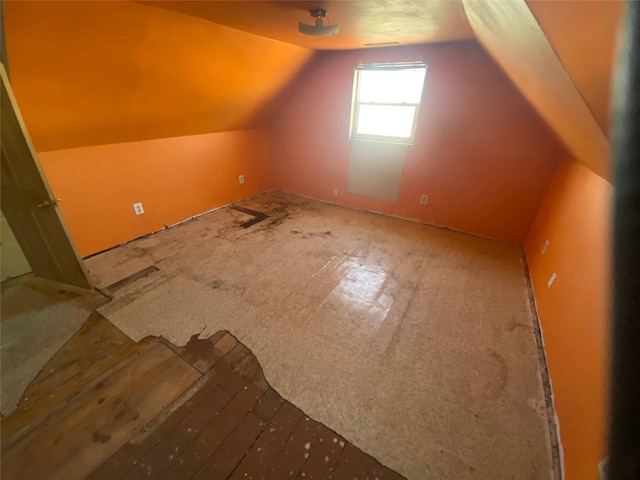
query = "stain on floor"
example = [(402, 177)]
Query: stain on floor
[(398, 335)]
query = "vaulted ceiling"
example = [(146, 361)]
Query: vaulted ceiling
[(583, 35), (104, 72), (560, 55)]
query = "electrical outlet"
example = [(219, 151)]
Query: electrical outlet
[(137, 207), (241, 179), (424, 199), (544, 247), (552, 279), (335, 192)]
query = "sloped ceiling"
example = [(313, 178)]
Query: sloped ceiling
[(558, 53), (555, 72), (90, 73), (362, 21), (583, 35)]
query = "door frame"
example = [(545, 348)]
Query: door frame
[(51, 201)]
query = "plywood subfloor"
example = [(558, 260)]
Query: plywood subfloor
[(414, 342)]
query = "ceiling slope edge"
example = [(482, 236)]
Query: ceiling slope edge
[(512, 36)]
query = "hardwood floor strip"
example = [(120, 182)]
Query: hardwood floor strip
[(94, 350), (269, 444), (233, 449), (293, 454), (269, 403), (155, 416), (209, 439), (180, 438), (324, 451), (92, 427), (119, 464), (27, 418)]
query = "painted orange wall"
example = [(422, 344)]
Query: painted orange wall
[(574, 312), (481, 153), (174, 178), (122, 101), (93, 73)]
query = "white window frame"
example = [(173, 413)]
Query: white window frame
[(355, 103)]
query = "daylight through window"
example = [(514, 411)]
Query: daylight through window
[(386, 100)]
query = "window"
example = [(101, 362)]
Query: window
[(386, 98)]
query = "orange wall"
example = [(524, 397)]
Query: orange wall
[(481, 153), (174, 178), (124, 99), (574, 312), (93, 73)]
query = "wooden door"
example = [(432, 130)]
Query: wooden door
[(28, 203)]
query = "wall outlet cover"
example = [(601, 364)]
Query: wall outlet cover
[(424, 199), (137, 208), (335, 192), (241, 179)]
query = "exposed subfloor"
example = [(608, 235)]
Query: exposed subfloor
[(414, 342), (38, 317), (106, 408)]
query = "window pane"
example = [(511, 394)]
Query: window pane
[(391, 86), (385, 120)]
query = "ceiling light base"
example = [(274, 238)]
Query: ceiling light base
[(319, 29)]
